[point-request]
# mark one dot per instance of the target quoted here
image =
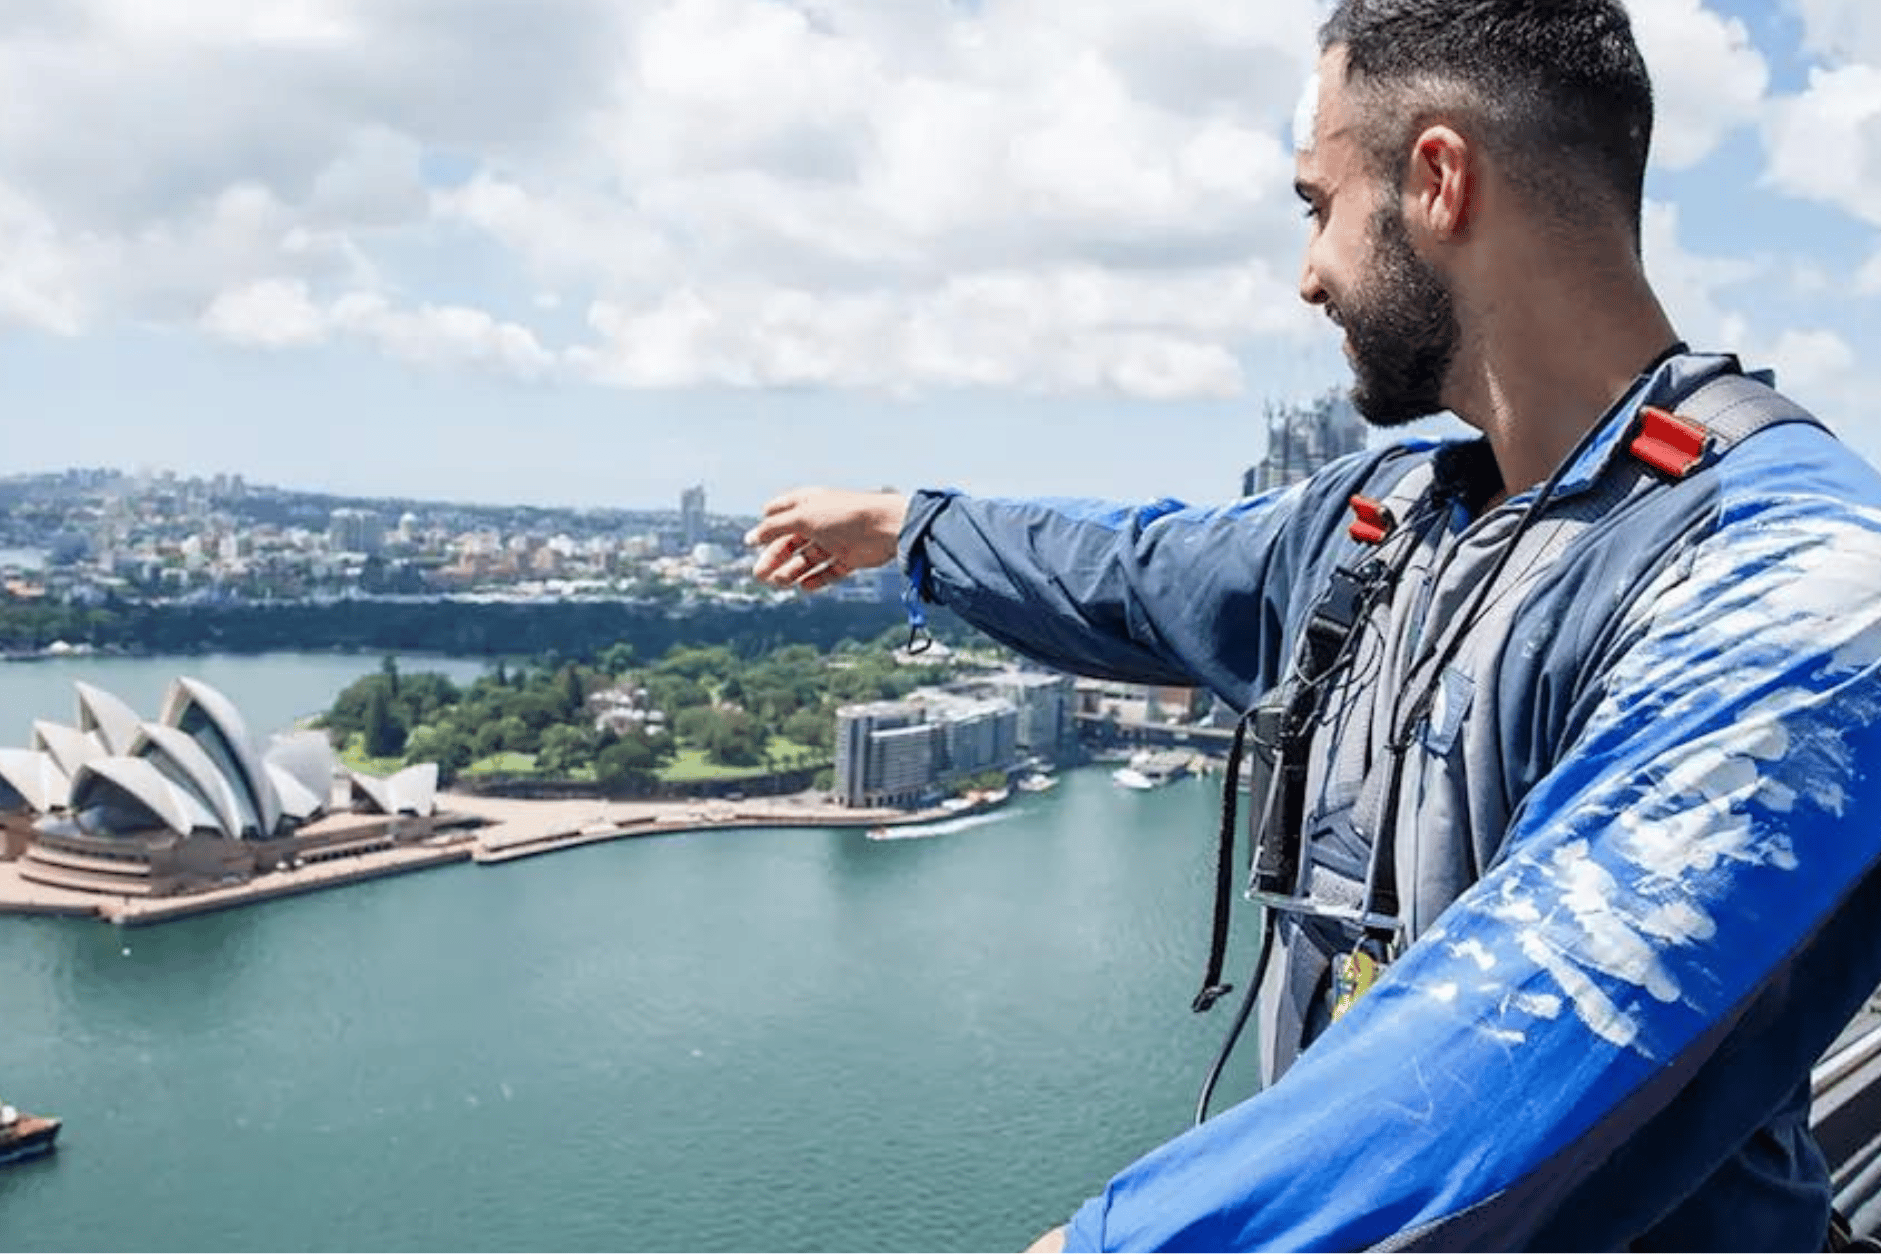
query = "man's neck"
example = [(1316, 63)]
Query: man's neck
[(1538, 374)]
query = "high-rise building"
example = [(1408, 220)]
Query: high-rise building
[(885, 754), (1046, 704), (899, 753), (355, 531), (1302, 438), (692, 515)]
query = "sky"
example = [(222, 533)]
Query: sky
[(590, 252)]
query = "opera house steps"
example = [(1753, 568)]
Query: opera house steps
[(54, 876), (44, 854)]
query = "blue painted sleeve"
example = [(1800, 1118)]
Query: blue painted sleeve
[(1679, 922), (1161, 593)]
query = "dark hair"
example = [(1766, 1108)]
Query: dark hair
[(1557, 86)]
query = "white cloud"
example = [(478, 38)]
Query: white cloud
[(1868, 279), (1825, 144), (273, 313), (1709, 79), (746, 192), (1841, 30), (1155, 335), (1812, 360), (1020, 194), (1694, 287)]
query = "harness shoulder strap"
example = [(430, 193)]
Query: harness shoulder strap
[(1722, 412)]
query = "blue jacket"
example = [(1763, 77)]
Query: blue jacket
[(1637, 833)]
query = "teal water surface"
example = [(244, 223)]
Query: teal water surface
[(789, 1040)]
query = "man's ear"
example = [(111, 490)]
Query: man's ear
[(1440, 187)]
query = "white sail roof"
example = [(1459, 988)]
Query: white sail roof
[(298, 802), (213, 720), (413, 790), (307, 757), (32, 773), (121, 784), (113, 723), (69, 747), (180, 758)]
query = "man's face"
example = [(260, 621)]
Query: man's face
[(1401, 331)]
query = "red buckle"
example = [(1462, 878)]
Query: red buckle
[(1670, 444), (1371, 521)]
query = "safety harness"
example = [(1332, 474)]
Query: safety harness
[(1274, 737)]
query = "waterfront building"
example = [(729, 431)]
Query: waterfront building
[(901, 753), (977, 737), (119, 805), (1046, 705), (1302, 438)]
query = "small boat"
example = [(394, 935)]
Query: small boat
[(1130, 777), (1037, 782), (878, 833), (24, 1136)]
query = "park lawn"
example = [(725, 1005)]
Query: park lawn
[(503, 764), (354, 756), (691, 766)]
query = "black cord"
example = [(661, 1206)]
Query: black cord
[(1248, 997)]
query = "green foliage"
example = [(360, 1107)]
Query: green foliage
[(985, 781), (384, 734), (566, 749), (732, 716), (630, 764)]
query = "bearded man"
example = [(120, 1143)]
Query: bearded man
[(1572, 730)]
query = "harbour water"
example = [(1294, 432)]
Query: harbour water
[(727, 1040)]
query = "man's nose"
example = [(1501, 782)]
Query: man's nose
[(1311, 290)]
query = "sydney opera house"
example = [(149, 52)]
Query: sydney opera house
[(119, 805)]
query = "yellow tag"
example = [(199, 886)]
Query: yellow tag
[(1352, 975)]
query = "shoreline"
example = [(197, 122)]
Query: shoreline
[(511, 829)]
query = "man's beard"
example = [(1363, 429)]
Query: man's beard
[(1402, 329)]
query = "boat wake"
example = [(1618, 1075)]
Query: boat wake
[(945, 827)]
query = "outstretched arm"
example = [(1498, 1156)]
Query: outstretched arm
[(1680, 921)]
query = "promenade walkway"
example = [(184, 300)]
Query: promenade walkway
[(510, 828), (522, 829)]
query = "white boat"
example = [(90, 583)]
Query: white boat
[(1130, 777), (1037, 782)]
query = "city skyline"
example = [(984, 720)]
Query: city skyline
[(581, 256)]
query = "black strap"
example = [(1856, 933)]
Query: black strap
[(1213, 990)]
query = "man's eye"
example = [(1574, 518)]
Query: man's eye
[(1311, 213)]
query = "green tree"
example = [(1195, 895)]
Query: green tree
[(627, 766), (565, 749), (385, 738), (735, 739), (811, 727), (574, 695), (617, 659)]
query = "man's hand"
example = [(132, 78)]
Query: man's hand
[(1050, 1243), (811, 537)]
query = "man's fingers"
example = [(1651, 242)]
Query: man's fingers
[(774, 563), (822, 575), (770, 527)]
